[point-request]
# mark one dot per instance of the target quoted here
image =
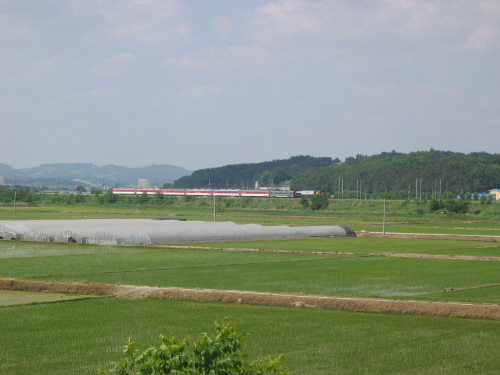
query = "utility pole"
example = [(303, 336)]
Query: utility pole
[(215, 215), (383, 220)]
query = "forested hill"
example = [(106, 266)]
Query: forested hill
[(399, 173), (245, 175)]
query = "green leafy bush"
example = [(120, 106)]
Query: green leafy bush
[(319, 202), (219, 355)]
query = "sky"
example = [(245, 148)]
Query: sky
[(207, 83)]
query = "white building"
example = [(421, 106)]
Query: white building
[(496, 193), (143, 183)]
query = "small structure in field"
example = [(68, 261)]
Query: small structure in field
[(150, 232)]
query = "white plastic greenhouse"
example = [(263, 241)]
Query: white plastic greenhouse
[(147, 231)]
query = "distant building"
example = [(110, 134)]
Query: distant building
[(496, 193), (143, 183), (1, 181)]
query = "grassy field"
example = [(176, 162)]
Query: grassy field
[(9, 298), (360, 276), (485, 294), (348, 277), (368, 246), (76, 337), (411, 211)]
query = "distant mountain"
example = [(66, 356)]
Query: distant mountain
[(68, 174), (9, 173)]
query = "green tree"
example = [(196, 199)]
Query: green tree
[(460, 206), (435, 205), (158, 197), (80, 189), (319, 202), (143, 198), (96, 192), (304, 201), (218, 355)]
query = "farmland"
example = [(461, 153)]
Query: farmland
[(314, 340)]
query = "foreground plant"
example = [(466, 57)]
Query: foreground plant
[(219, 355)]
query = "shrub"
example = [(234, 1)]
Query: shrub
[(304, 202), (219, 355), (319, 202)]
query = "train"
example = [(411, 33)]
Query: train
[(221, 193)]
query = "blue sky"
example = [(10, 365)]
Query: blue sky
[(206, 83)]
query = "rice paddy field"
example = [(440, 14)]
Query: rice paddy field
[(45, 333), (77, 337)]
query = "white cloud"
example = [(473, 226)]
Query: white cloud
[(490, 9), (291, 18), (99, 93), (366, 21), (223, 26), (201, 92), (481, 38), (229, 57), (148, 21), (114, 66)]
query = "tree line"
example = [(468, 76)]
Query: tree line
[(423, 174), (244, 176)]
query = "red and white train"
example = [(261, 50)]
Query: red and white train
[(222, 193)]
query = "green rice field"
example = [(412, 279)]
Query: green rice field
[(79, 336), (43, 333), (290, 272), (9, 298), (365, 245)]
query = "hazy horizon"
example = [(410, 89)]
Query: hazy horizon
[(201, 84)]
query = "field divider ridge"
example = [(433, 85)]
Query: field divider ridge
[(447, 309)]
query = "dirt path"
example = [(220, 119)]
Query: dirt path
[(427, 236), (432, 256), (466, 310)]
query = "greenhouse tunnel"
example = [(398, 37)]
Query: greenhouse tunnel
[(150, 232)]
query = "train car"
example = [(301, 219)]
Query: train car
[(255, 193), (124, 191), (172, 192), (199, 193), (307, 193), (226, 193), (147, 191), (281, 194)]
